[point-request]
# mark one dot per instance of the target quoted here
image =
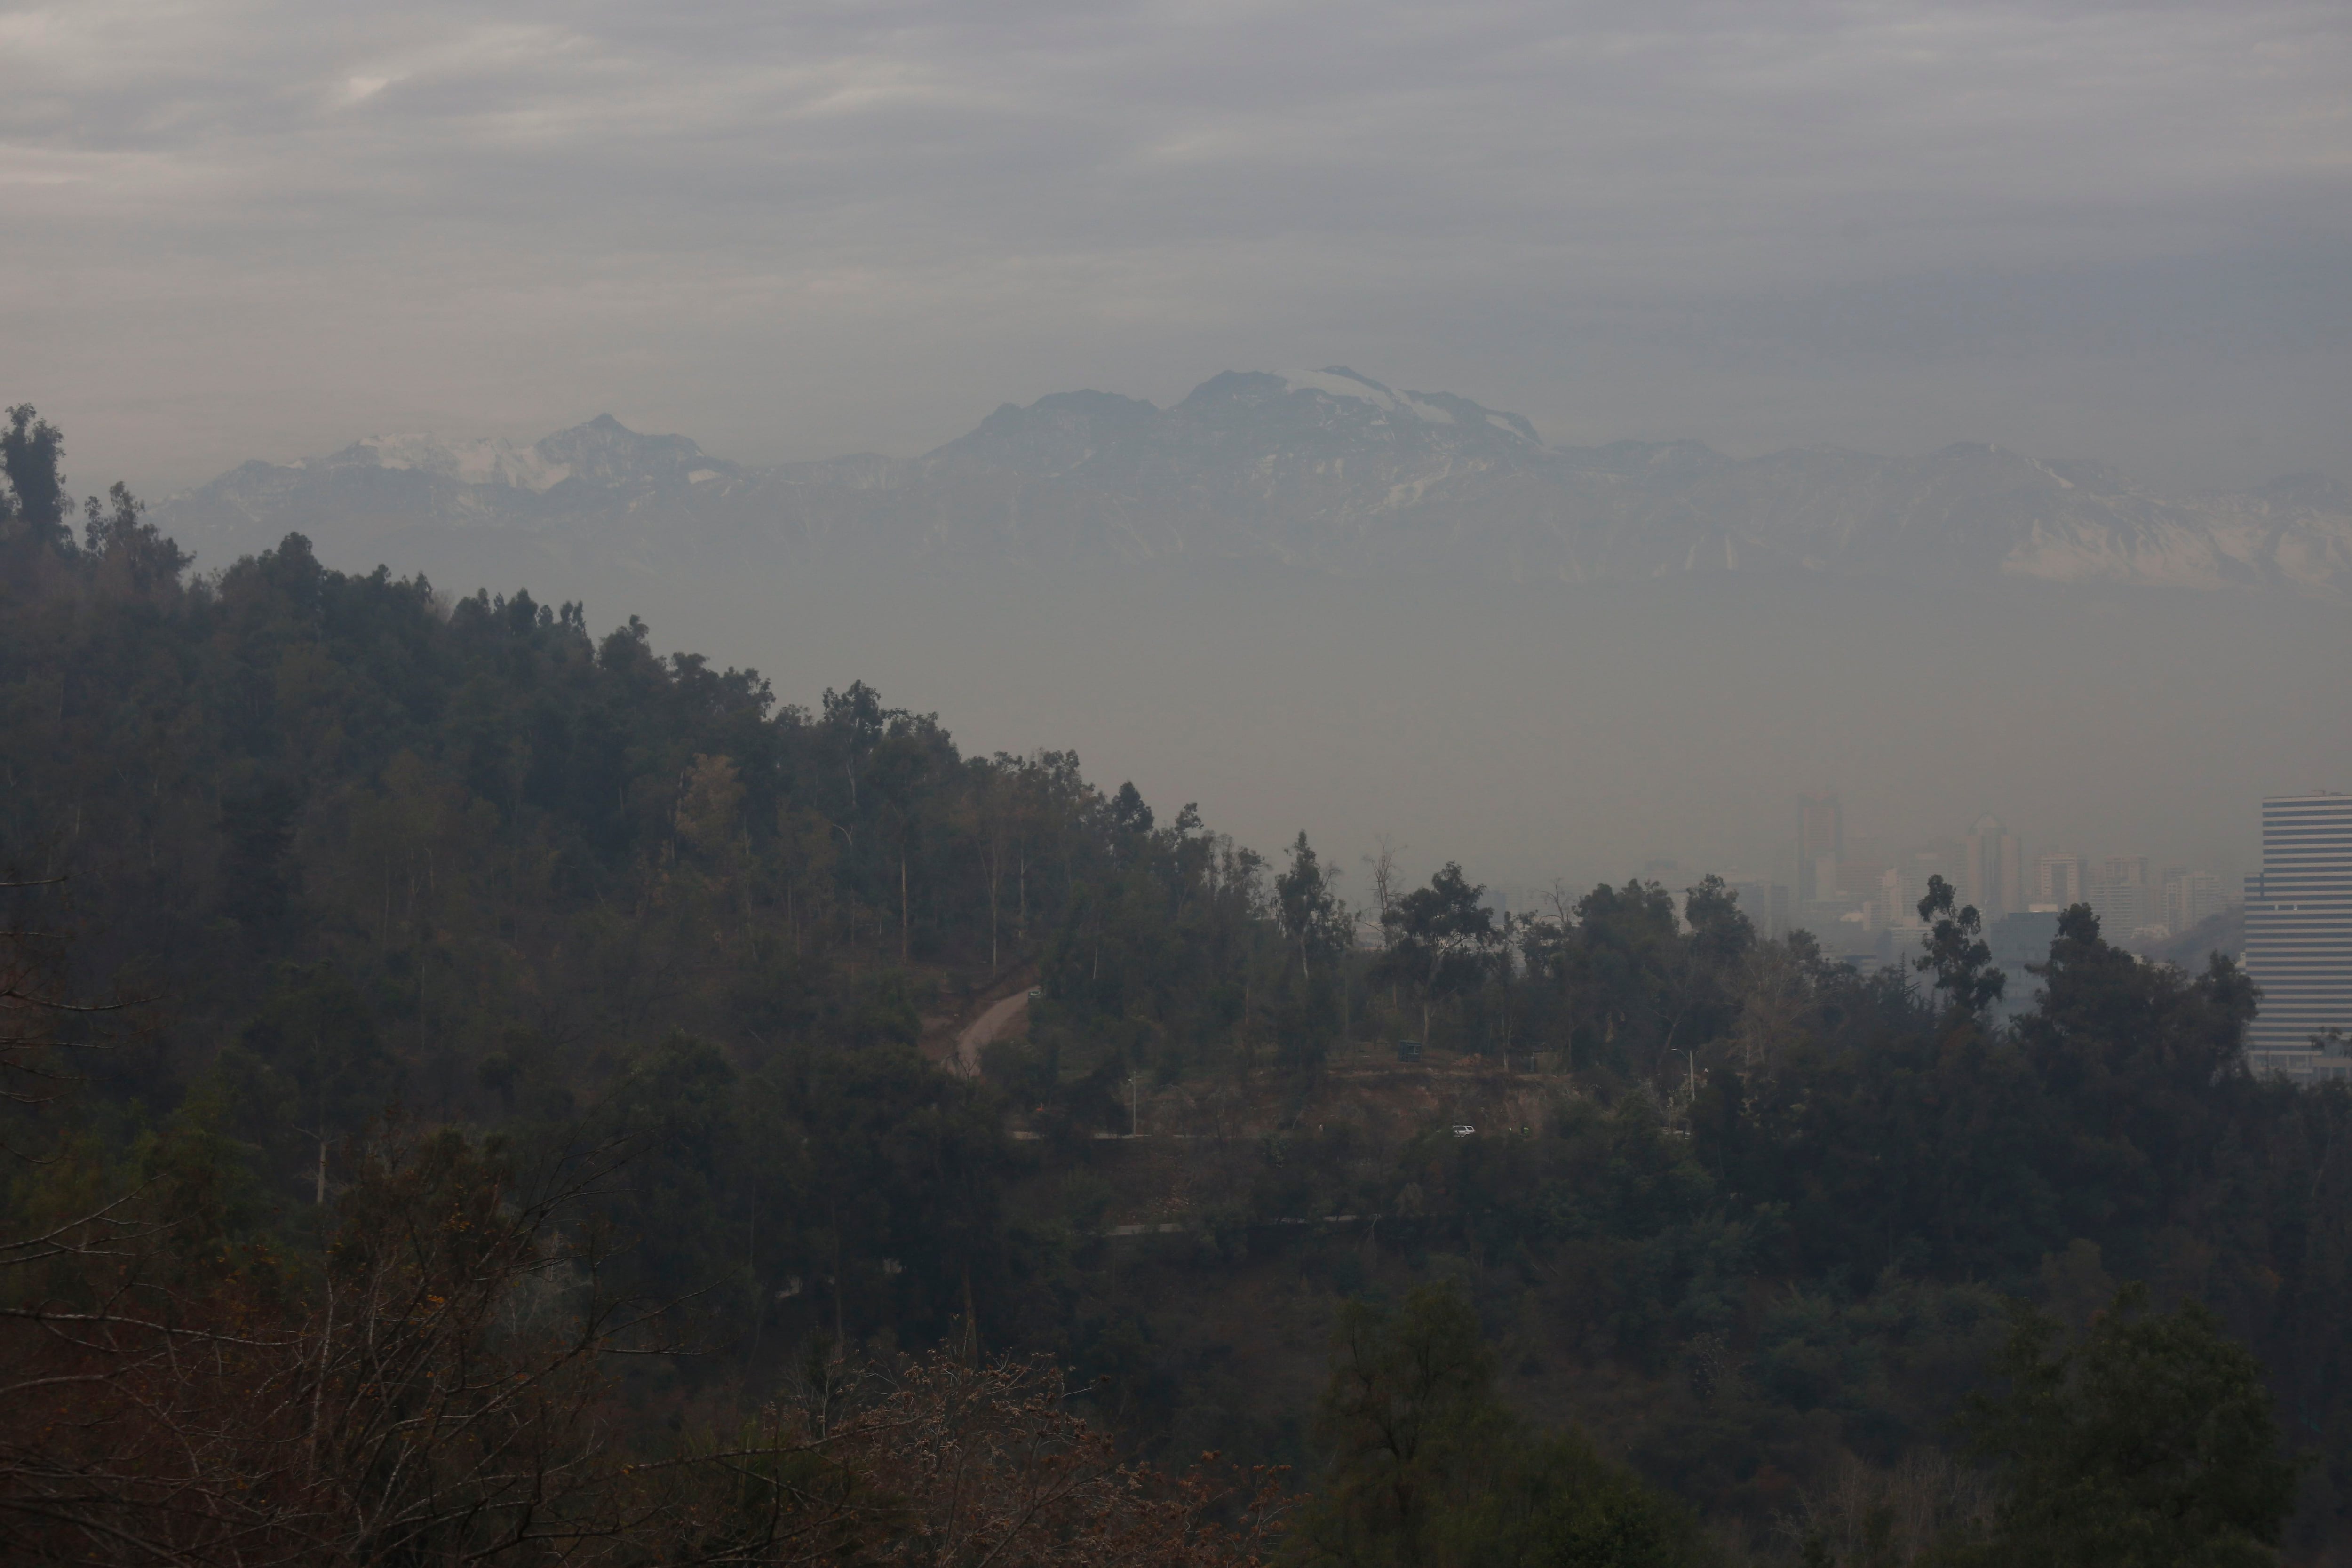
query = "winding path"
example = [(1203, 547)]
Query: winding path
[(984, 1028)]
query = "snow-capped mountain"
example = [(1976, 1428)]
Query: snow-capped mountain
[(1326, 469)]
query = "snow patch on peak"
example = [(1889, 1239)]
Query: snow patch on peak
[(485, 460), (1337, 382)]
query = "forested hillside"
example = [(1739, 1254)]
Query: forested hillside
[(362, 932)]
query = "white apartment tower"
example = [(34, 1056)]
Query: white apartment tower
[(2299, 922)]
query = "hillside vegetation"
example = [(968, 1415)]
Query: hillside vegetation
[(393, 969)]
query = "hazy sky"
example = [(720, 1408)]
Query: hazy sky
[(2118, 231)]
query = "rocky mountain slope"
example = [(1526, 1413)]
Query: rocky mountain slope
[(1328, 469)]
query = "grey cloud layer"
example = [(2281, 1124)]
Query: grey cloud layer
[(260, 228)]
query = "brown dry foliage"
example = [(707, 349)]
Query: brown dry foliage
[(977, 1466), (439, 1391)]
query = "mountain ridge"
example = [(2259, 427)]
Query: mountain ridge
[(1331, 470)]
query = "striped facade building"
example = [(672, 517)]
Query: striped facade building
[(2299, 933)]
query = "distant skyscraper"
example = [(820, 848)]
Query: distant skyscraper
[(2058, 880), (2299, 921), (2124, 871), (1766, 904), (2124, 908), (2125, 897), (1990, 878), (1860, 864), (2192, 897), (1821, 831)]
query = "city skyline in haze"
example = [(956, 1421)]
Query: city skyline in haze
[(2120, 233)]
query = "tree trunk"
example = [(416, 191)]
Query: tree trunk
[(995, 877)]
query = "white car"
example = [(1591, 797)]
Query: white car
[(1464, 1129)]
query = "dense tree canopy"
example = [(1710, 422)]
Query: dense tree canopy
[(316, 879)]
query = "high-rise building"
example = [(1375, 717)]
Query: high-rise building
[(2126, 908), (2299, 929), (2058, 879), (1766, 904), (1990, 877), (1860, 865), (2190, 897), (1821, 831), (2125, 898), (2018, 941)]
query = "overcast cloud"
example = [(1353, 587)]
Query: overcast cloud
[(2122, 232)]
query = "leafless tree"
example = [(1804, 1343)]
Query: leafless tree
[(438, 1389)]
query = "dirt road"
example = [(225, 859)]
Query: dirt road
[(984, 1028)]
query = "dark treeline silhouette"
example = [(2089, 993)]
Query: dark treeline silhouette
[(343, 912)]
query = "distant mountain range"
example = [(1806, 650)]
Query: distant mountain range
[(1328, 470)]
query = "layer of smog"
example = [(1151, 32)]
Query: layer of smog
[(1504, 787)]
